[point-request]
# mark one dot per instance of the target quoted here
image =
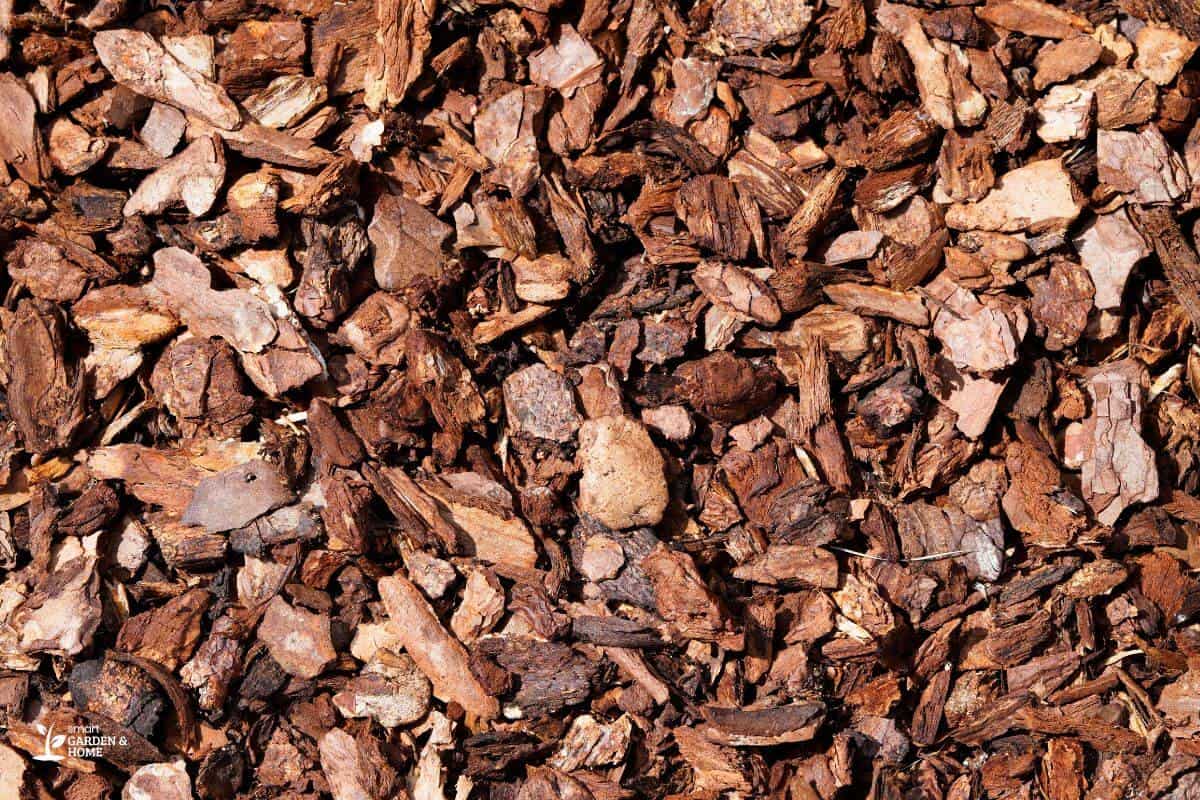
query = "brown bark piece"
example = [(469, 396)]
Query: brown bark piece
[(169, 634), (905, 307), (408, 244), (21, 144), (1065, 114), (439, 655), (681, 596), (192, 178), (1038, 197), (286, 100), (139, 62), (236, 497), (568, 65), (755, 24), (1035, 505), (1110, 246), (401, 42), (45, 396), (1123, 98), (1161, 52), (540, 403), (181, 283), (1141, 164), (1179, 260), (73, 150), (739, 290), (1034, 18), (1118, 467), (797, 722), (1060, 61), (391, 691), (1061, 303), (980, 337), (299, 640)]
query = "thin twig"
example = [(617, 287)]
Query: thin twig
[(914, 559)]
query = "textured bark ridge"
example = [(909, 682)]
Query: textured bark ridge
[(599, 400)]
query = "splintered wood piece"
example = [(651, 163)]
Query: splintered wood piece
[(286, 100), (1179, 260), (933, 78), (402, 39), (439, 655), (906, 307), (805, 224)]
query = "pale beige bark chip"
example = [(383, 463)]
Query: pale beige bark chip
[(299, 640), (623, 484)]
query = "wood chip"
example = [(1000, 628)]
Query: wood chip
[(438, 654)]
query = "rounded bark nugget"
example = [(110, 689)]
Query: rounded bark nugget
[(623, 484)]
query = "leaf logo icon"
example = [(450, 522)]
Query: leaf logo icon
[(49, 744)]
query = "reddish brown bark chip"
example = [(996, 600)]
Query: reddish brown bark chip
[(439, 655), (407, 242), (46, 399), (21, 145)]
